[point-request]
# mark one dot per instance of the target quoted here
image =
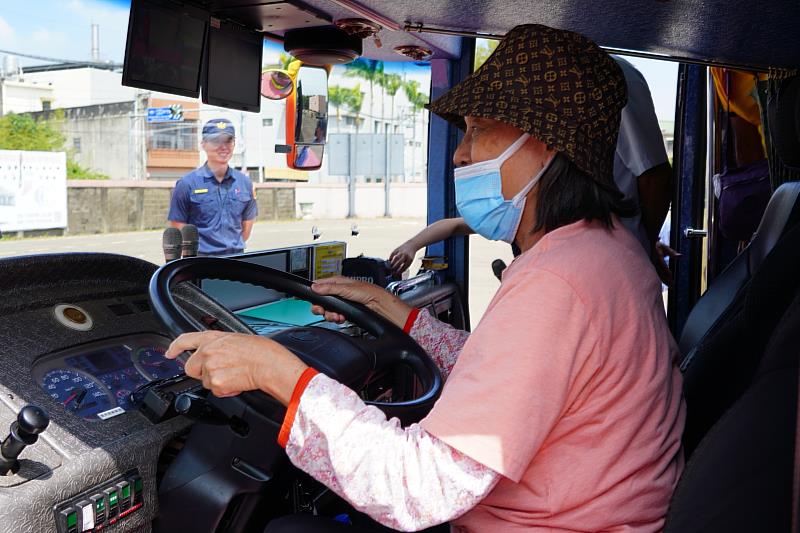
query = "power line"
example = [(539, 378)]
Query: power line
[(57, 60)]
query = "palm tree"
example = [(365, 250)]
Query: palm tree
[(483, 50), (354, 98), (390, 83), (370, 70), (337, 97), (417, 100), (284, 60)]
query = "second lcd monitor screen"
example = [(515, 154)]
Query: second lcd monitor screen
[(233, 68)]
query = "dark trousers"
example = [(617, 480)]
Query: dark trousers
[(323, 524)]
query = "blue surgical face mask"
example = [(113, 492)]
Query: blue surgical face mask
[(479, 196)]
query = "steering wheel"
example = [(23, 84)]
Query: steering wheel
[(349, 360)]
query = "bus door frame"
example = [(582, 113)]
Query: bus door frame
[(689, 192)]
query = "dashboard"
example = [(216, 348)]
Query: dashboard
[(79, 339), (98, 380)]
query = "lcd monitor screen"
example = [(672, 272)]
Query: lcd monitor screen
[(164, 51), (236, 295), (233, 68)]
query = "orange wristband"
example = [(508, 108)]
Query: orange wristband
[(294, 402)]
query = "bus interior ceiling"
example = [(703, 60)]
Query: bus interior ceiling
[(755, 36), (696, 33)]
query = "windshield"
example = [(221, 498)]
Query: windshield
[(88, 164)]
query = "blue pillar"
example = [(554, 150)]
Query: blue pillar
[(442, 141)]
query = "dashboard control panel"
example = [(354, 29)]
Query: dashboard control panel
[(95, 381), (101, 506)]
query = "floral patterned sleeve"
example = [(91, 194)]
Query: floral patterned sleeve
[(404, 478), (442, 341)]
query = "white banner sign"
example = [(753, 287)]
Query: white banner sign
[(33, 190)]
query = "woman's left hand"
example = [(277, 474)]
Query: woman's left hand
[(231, 363)]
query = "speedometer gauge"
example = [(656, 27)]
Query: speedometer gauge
[(77, 392), (150, 361)]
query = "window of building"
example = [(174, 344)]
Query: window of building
[(47, 105), (76, 144), (266, 122), (174, 135)]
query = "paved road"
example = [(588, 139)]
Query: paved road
[(377, 238)]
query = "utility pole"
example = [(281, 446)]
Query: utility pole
[(244, 142), (351, 178), (2, 78), (139, 135), (96, 43), (387, 185), (131, 140)]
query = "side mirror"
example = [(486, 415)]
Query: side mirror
[(307, 119), (276, 84)]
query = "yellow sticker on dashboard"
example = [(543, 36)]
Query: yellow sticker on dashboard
[(328, 259)]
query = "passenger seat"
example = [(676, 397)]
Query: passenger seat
[(740, 477), (781, 214), (741, 387)]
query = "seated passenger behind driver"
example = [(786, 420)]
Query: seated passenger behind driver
[(562, 410)]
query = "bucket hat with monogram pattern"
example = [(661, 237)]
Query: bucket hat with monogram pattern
[(556, 85)]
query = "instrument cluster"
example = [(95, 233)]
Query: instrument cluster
[(96, 381)]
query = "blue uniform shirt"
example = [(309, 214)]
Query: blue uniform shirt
[(217, 209)]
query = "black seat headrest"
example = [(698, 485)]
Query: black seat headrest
[(781, 214)]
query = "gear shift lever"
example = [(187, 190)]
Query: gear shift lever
[(31, 421)]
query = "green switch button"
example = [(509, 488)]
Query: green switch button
[(112, 498), (126, 492), (72, 520)]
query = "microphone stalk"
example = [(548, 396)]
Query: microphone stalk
[(189, 240), (171, 244)]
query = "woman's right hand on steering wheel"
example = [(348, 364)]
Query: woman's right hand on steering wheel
[(373, 297)]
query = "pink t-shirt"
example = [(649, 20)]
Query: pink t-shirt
[(569, 389)]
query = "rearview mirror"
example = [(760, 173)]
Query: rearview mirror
[(307, 118)]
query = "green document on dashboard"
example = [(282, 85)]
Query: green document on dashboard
[(288, 311)]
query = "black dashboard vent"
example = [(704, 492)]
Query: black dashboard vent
[(120, 309), (141, 305)]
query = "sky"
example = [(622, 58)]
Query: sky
[(61, 29)]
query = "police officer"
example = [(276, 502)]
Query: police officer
[(216, 198)]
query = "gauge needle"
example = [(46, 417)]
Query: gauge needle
[(78, 394)]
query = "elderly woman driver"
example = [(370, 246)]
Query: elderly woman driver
[(562, 410)]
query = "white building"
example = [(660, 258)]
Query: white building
[(18, 95), (81, 84)]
